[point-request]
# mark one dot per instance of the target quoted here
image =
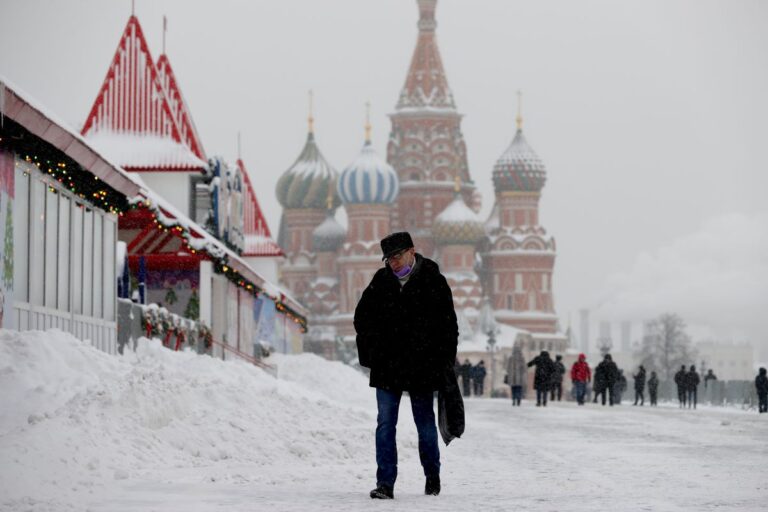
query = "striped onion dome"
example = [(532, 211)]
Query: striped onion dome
[(305, 184), (368, 180), (458, 224), (328, 236), (519, 169)]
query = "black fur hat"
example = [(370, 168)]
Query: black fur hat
[(395, 242)]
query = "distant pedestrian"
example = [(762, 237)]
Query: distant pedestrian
[(691, 386), (653, 388), (619, 387), (557, 379), (466, 374), (761, 385), (580, 376), (640, 385), (606, 375), (516, 373), (478, 378), (542, 379), (708, 377), (680, 382)]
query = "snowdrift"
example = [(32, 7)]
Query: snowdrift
[(73, 419)]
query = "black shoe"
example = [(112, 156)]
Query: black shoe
[(382, 492), (432, 487)]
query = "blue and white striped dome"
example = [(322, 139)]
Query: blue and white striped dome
[(368, 180)]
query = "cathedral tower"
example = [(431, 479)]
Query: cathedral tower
[(302, 191), (519, 257), (368, 187), (426, 146)]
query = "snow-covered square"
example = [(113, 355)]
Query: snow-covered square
[(166, 431)]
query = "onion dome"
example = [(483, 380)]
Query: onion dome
[(519, 169), (458, 224), (305, 183), (369, 179), (329, 235)]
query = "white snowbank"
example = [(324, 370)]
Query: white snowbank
[(74, 419)]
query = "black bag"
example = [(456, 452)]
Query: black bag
[(450, 408), (506, 379)]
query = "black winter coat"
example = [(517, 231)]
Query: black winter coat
[(653, 384), (606, 375), (761, 383), (692, 380), (545, 369), (681, 380), (640, 380), (407, 335)]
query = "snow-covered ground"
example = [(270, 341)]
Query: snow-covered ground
[(157, 430)]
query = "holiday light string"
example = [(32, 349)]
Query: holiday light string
[(217, 255), (61, 168)]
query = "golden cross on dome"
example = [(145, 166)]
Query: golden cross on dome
[(368, 121), (311, 119)]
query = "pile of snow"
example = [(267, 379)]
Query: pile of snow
[(74, 419)]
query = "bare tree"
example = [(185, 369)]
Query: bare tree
[(665, 346)]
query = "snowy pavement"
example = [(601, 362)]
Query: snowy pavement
[(163, 431)]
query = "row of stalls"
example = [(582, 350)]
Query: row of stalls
[(81, 236)]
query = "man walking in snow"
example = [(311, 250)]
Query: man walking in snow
[(640, 385), (606, 375), (557, 379), (761, 386), (542, 378), (466, 381), (653, 388), (478, 378), (680, 382), (407, 335), (692, 380)]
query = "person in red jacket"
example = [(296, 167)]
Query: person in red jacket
[(580, 375)]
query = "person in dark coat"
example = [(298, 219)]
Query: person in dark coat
[(557, 379), (620, 387), (692, 380), (708, 377), (407, 335), (606, 375), (542, 378), (653, 388), (580, 376), (640, 385), (478, 377), (466, 377), (761, 386), (680, 382)]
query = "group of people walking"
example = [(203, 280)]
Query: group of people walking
[(472, 377)]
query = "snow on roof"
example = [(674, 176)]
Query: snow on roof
[(46, 125), (136, 151), (260, 245)]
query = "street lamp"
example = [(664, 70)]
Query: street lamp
[(491, 329)]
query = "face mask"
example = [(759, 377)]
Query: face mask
[(404, 271)]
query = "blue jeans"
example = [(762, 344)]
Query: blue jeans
[(581, 391), (541, 396), (386, 428)]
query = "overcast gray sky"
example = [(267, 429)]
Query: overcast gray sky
[(651, 116)]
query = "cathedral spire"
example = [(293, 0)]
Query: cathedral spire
[(426, 85), (519, 118)]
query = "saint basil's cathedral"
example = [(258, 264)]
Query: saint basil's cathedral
[(499, 268)]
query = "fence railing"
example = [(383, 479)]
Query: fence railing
[(132, 324)]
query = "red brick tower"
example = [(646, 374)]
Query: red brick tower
[(426, 146), (519, 256)]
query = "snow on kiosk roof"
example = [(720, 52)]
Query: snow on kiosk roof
[(21, 108)]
